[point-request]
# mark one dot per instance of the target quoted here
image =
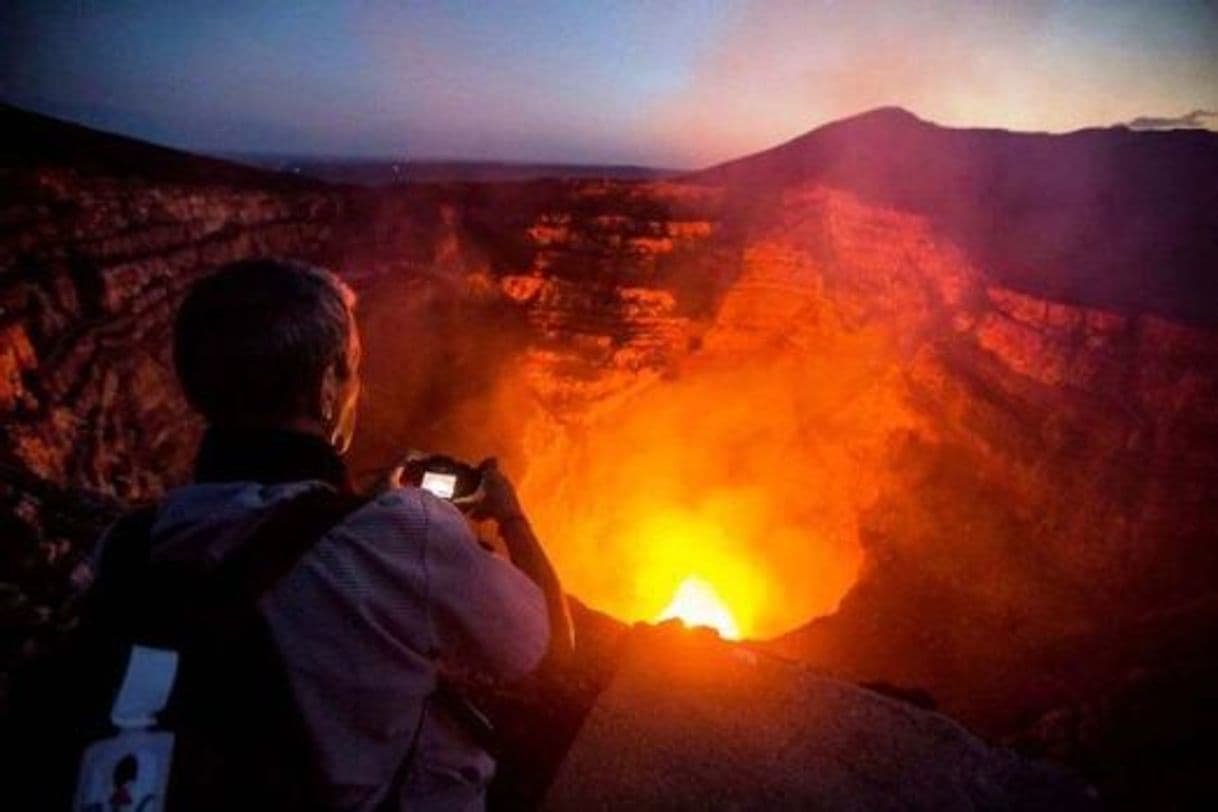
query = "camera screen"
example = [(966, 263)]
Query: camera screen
[(442, 485)]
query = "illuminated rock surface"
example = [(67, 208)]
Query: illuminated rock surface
[(100, 237)]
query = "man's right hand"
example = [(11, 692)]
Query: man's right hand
[(499, 500)]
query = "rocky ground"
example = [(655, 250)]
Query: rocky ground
[(689, 721)]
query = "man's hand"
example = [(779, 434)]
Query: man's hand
[(391, 478), (387, 481), (499, 500)]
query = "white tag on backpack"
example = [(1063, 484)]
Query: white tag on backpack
[(127, 772), (146, 687), (131, 770)]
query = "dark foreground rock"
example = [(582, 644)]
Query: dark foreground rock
[(691, 722)]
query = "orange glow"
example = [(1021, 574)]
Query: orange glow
[(746, 477), (747, 463), (697, 604), (724, 591)]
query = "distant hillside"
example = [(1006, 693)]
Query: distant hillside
[(34, 140), (384, 172), (1110, 217)]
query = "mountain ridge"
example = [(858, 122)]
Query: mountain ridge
[(34, 139), (1078, 217)]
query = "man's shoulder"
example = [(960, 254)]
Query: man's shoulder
[(397, 505), (408, 510)]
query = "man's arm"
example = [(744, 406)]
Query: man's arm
[(501, 504)]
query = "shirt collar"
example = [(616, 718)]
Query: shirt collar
[(268, 456)]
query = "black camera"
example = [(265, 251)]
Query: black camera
[(443, 476)]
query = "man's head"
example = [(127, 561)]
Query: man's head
[(268, 343)]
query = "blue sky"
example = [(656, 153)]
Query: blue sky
[(663, 83)]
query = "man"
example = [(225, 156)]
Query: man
[(398, 590)]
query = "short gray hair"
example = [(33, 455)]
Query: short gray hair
[(253, 340)]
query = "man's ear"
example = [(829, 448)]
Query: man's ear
[(330, 392)]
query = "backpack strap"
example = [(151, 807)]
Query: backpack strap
[(272, 547), (123, 557), (281, 538)]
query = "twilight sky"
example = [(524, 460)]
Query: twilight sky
[(678, 83)]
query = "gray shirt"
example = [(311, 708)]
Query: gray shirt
[(364, 620)]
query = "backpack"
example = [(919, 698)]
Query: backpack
[(228, 736)]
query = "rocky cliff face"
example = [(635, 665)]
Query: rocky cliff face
[(92, 269), (1045, 468), (978, 480)]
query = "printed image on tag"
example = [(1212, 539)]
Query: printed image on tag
[(128, 773)]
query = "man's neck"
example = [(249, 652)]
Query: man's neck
[(301, 425), (268, 455)]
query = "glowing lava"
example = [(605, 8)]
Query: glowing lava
[(697, 604)]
